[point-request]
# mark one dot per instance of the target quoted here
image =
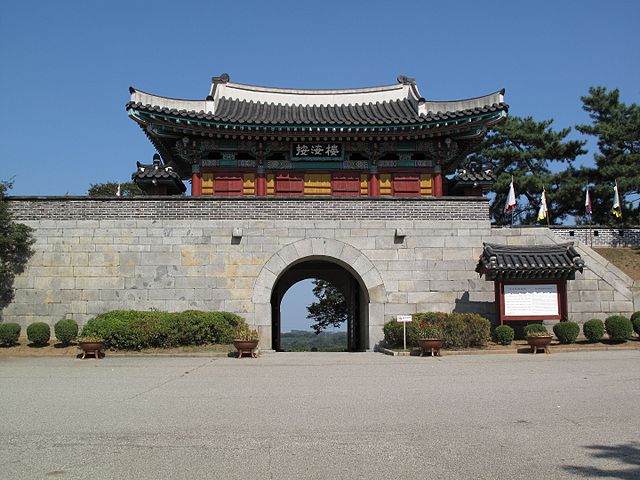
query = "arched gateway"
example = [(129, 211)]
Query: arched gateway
[(277, 175), (345, 266)]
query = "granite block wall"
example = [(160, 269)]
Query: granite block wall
[(598, 236), (411, 255)]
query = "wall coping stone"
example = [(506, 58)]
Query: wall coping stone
[(209, 198)]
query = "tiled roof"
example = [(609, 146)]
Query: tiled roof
[(158, 174), (499, 262), (393, 112), (469, 176), (398, 104)]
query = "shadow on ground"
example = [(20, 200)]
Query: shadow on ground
[(628, 454)]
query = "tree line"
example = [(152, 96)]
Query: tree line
[(536, 156)]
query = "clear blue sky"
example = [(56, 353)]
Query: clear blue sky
[(66, 66)]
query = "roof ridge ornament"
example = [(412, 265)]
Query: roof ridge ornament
[(224, 78), (404, 80)]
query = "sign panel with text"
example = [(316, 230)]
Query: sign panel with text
[(531, 300)]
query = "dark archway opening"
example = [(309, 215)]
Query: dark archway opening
[(344, 280)]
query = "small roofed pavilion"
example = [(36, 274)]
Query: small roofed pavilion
[(530, 281), (246, 140)]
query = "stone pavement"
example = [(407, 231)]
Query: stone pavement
[(322, 415)]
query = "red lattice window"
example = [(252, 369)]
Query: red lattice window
[(345, 185), (229, 185), (289, 185), (406, 185)]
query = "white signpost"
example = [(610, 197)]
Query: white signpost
[(404, 319)]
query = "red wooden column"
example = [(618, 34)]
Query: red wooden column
[(374, 184), (196, 181), (437, 182), (564, 303), (497, 284), (261, 184)]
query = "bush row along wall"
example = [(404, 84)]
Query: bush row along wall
[(85, 266)]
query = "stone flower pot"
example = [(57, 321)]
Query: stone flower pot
[(432, 345), (91, 347), (537, 342), (246, 346)]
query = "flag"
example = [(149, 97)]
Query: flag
[(587, 203), (118, 191), (617, 208), (511, 199), (542, 213)]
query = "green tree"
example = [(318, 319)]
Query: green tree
[(109, 189), (330, 310), (617, 129), (526, 149), (15, 248)]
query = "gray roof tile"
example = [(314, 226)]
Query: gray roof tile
[(379, 113), (499, 262)]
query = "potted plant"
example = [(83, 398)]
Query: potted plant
[(430, 338), (91, 345), (245, 340), (538, 337)]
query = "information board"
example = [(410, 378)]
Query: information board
[(530, 300)]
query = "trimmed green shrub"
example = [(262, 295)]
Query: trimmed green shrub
[(460, 330), (133, 330), (503, 334), (9, 334), (567, 332), (593, 329), (475, 329), (66, 331), (39, 333), (618, 328), (635, 321), (393, 334), (534, 327)]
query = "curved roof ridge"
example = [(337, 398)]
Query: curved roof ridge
[(144, 98), (305, 91), (435, 106), (497, 92), (223, 87)]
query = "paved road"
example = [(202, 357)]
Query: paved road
[(319, 415)]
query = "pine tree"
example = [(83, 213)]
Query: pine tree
[(330, 310), (109, 189), (617, 128), (525, 149)]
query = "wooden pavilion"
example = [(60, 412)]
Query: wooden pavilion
[(245, 140)]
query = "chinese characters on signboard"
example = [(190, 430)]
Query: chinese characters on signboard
[(316, 151)]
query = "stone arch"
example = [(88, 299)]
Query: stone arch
[(323, 249)]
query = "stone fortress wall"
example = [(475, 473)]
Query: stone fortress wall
[(94, 255), (599, 236)]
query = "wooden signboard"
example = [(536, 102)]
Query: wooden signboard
[(531, 300)]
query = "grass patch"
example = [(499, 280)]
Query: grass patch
[(626, 259)]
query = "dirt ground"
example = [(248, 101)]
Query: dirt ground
[(55, 349), (625, 258)]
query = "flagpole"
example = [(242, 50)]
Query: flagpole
[(547, 203), (513, 210), (619, 201), (589, 216)]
